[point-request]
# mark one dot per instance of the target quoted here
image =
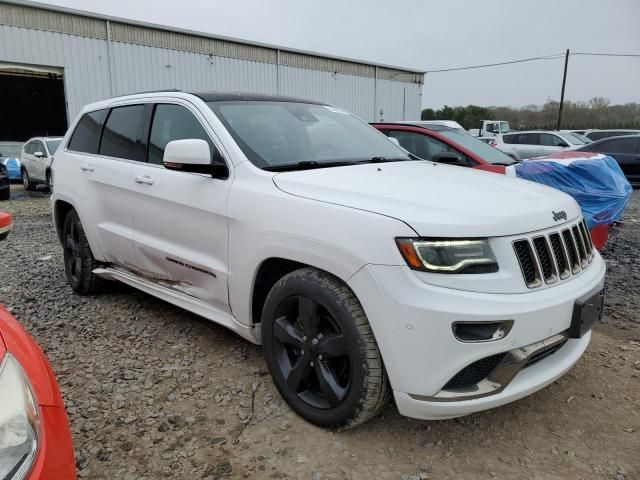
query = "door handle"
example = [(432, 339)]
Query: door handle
[(146, 179), (87, 167)]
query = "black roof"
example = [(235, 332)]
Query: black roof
[(249, 97), (586, 148)]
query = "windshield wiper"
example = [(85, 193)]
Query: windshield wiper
[(383, 160), (305, 165)]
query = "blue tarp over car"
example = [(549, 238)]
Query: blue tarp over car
[(595, 181)]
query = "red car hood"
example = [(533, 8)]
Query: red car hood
[(15, 340)]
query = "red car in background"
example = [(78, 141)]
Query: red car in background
[(35, 440), (454, 146)]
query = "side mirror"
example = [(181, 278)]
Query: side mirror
[(39, 154), (395, 140), (563, 144), (189, 155), (449, 158)]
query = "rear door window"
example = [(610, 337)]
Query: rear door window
[(86, 136), (511, 139), (530, 138), (121, 135)]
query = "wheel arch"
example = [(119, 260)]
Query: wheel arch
[(61, 207), (286, 254)]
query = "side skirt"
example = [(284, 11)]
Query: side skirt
[(179, 299)]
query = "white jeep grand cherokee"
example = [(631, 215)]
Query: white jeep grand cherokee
[(360, 269)]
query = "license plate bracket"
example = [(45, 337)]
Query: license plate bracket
[(587, 311)]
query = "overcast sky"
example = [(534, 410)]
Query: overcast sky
[(427, 34)]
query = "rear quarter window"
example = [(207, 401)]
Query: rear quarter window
[(86, 136)]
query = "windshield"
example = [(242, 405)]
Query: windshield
[(279, 134), (570, 139), (486, 152), (504, 127), (11, 151), (52, 145)]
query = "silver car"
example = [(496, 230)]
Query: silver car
[(535, 143), (35, 161)]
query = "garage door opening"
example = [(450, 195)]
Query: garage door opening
[(32, 103)]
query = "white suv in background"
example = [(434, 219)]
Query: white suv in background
[(361, 269), (35, 161), (523, 145)]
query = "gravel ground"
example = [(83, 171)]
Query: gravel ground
[(155, 392)]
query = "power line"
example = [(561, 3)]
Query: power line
[(607, 54), (554, 56), (547, 57)]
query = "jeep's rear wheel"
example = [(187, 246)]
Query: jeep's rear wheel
[(321, 352), (78, 259)]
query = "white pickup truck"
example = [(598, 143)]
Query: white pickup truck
[(362, 270), (490, 128)]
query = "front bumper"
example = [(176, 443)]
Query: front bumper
[(412, 322)]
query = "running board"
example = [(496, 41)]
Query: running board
[(178, 299)]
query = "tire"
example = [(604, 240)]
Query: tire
[(5, 194), (26, 181), (49, 181), (79, 262), (321, 351)]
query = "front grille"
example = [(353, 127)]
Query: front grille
[(555, 255), (542, 354), (474, 373)]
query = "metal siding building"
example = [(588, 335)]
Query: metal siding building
[(101, 57)]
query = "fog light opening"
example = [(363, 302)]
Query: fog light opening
[(471, 332)]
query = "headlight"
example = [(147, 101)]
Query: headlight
[(448, 256), (19, 422)]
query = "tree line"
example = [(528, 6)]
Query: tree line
[(595, 113)]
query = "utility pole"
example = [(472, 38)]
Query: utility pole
[(564, 81)]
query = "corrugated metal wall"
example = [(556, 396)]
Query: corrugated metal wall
[(101, 59)]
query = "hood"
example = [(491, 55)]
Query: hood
[(435, 199)]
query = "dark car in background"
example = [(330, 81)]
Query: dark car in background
[(5, 184), (625, 150), (600, 134)]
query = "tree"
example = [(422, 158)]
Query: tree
[(428, 114)]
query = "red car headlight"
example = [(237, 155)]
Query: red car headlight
[(19, 421)]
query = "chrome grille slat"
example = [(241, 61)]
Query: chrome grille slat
[(572, 250), (560, 255), (547, 265), (554, 256), (582, 250)]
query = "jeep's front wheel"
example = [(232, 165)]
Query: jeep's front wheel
[(321, 352), (78, 259)]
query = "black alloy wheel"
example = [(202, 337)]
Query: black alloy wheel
[(311, 352), (321, 351)]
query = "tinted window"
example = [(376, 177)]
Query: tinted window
[(618, 145), (173, 122), (120, 136), (511, 139), (530, 139), (86, 136)]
